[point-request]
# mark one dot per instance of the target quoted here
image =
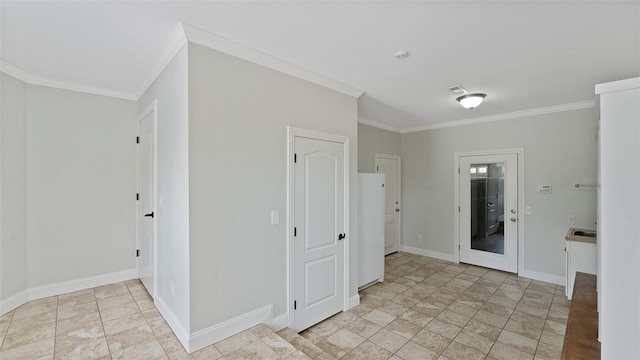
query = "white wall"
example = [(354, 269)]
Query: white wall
[(170, 91), (80, 185), (238, 117), (560, 149), (372, 140), (13, 190)]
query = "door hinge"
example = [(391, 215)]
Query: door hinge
[(137, 252), (458, 208), (458, 170), (377, 168), (295, 158), (458, 247), (295, 305), (137, 196), (137, 139), (295, 232)]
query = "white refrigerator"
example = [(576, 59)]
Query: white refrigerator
[(370, 229)]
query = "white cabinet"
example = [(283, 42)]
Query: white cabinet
[(581, 257)]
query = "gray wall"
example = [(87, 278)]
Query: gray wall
[(372, 140), (80, 193), (560, 149), (238, 117), (13, 190), (172, 238)]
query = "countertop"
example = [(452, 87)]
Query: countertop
[(587, 239)]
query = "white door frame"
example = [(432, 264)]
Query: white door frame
[(292, 133), (398, 192), (151, 108), (519, 152)]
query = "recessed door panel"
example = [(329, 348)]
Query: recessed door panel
[(320, 280), (320, 202)]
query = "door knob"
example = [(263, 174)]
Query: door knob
[(397, 210), (342, 236), (513, 211), (149, 215), (513, 219)]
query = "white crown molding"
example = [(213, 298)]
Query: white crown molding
[(505, 116), (619, 85), (378, 124), (32, 79), (233, 48), (173, 45)]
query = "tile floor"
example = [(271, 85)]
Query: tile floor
[(425, 309)]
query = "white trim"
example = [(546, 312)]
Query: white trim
[(279, 322), (619, 85), (429, 253), (80, 284), (32, 79), (504, 116), (521, 200), (13, 301), (378, 125), (292, 133), (205, 337), (172, 320), (172, 47), (354, 301), (553, 279), (228, 46)]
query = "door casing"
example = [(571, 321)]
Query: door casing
[(519, 152), (292, 133)]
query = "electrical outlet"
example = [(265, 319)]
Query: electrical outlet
[(275, 217), (571, 219)]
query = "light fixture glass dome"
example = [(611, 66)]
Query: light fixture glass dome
[(471, 101)]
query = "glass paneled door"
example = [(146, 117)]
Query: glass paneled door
[(489, 211)]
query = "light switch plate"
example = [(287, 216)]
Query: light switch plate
[(275, 217)]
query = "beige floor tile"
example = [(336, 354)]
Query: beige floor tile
[(33, 350), (345, 340), (460, 352), (115, 301), (481, 328), (138, 335), (379, 317), (491, 319), (87, 321), (555, 327), (388, 340), (208, 353), (26, 334), (344, 318), (120, 311), (497, 309), (413, 351), (428, 308), (277, 344), (36, 307), (404, 328), (523, 329), (504, 352), (148, 351), (111, 290), (235, 342), (548, 352), (121, 324), (541, 303), (454, 318), (170, 343), (302, 344), (462, 309), (418, 318), (517, 341), (363, 328), (529, 320), (431, 341), (72, 309), (370, 351), (551, 338), (474, 340), (532, 310), (78, 348), (393, 308), (445, 329)]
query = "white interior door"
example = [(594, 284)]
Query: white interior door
[(319, 230), (389, 165), (488, 188), (146, 200)]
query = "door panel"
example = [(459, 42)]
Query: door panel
[(319, 213), (389, 165), (146, 203), (488, 188)]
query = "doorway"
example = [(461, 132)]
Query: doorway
[(146, 214), (488, 205), (318, 219), (389, 165)]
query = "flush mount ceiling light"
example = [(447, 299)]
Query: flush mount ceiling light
[(401, 55), (471, 101)]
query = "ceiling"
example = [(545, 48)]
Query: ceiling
[(527, 56)]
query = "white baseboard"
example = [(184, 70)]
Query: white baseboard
[(171, 319), (81, 284), (13, 301), (279, 322), (64, 287), (534, 275), (205, 337), (429, 253), (354, 301)]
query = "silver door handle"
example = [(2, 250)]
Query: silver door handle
[(513, 219)]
